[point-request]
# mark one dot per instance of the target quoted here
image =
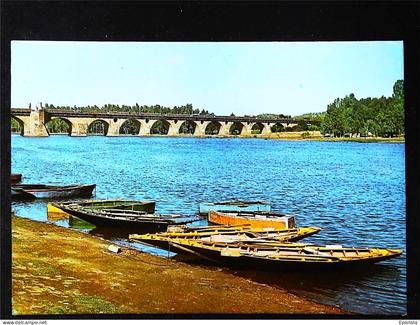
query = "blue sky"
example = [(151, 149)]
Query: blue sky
[(242, 77)]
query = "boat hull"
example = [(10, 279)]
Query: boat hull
[(49, 192), (133, 215), (116, 223), (145, 206), (17, 194), (55, 213)]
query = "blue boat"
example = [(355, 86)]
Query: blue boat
[(235, 206)]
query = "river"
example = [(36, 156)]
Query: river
[(354, 191)]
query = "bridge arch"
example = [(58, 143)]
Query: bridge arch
[(17, 125), (236, 128), (98, 127), (187, 127), (130, 127), (160, 127), (278, 127), (257, 128), (213, 128), (59, 125)]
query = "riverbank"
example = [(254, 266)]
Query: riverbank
[(56, 270), (317, 136)]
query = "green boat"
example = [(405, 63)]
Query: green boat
[(119, 213), (147, 206)]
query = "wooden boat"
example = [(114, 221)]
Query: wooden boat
[(41, 191), (121, 213), (54, 213), (292, 234), (254, 219), (236, 205), (147, 206), (281, 256), (241, 234), (15, 178), (18, 194)]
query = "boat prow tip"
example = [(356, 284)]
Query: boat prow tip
[(396, 252)]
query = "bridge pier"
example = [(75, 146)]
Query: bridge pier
[(35, 125), (267, 129), (145, 127), (174, 127), (247, 129), (225, 128), (114, 127), (79, 129), (200, 128)]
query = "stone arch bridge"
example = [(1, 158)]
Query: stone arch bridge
[(33, 122)]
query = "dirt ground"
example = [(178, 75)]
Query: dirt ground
[(61, 271)]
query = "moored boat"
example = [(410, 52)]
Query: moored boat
[(18, 194), (147, 206), (242, 234), (42, 191), (235, 205), (55, 213), (122, 213), (253, 219), (15, 178), (282, 256)]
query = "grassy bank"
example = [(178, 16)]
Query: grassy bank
[(61, 271), (316, 136), (362, 140)]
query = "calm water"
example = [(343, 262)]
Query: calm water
[(355, 192)]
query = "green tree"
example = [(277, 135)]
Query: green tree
[(380, 116)]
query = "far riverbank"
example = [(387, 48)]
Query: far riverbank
[(317, 136), (62, 271), (301, 136)]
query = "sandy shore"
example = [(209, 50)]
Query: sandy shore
[(61, 271)]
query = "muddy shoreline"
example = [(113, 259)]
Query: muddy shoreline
[(56, 270)]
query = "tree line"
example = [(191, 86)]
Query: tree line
[(187, 109), (382, 116)]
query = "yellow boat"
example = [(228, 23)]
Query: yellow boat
[(242, 234), (55, 213), (282, 256)]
